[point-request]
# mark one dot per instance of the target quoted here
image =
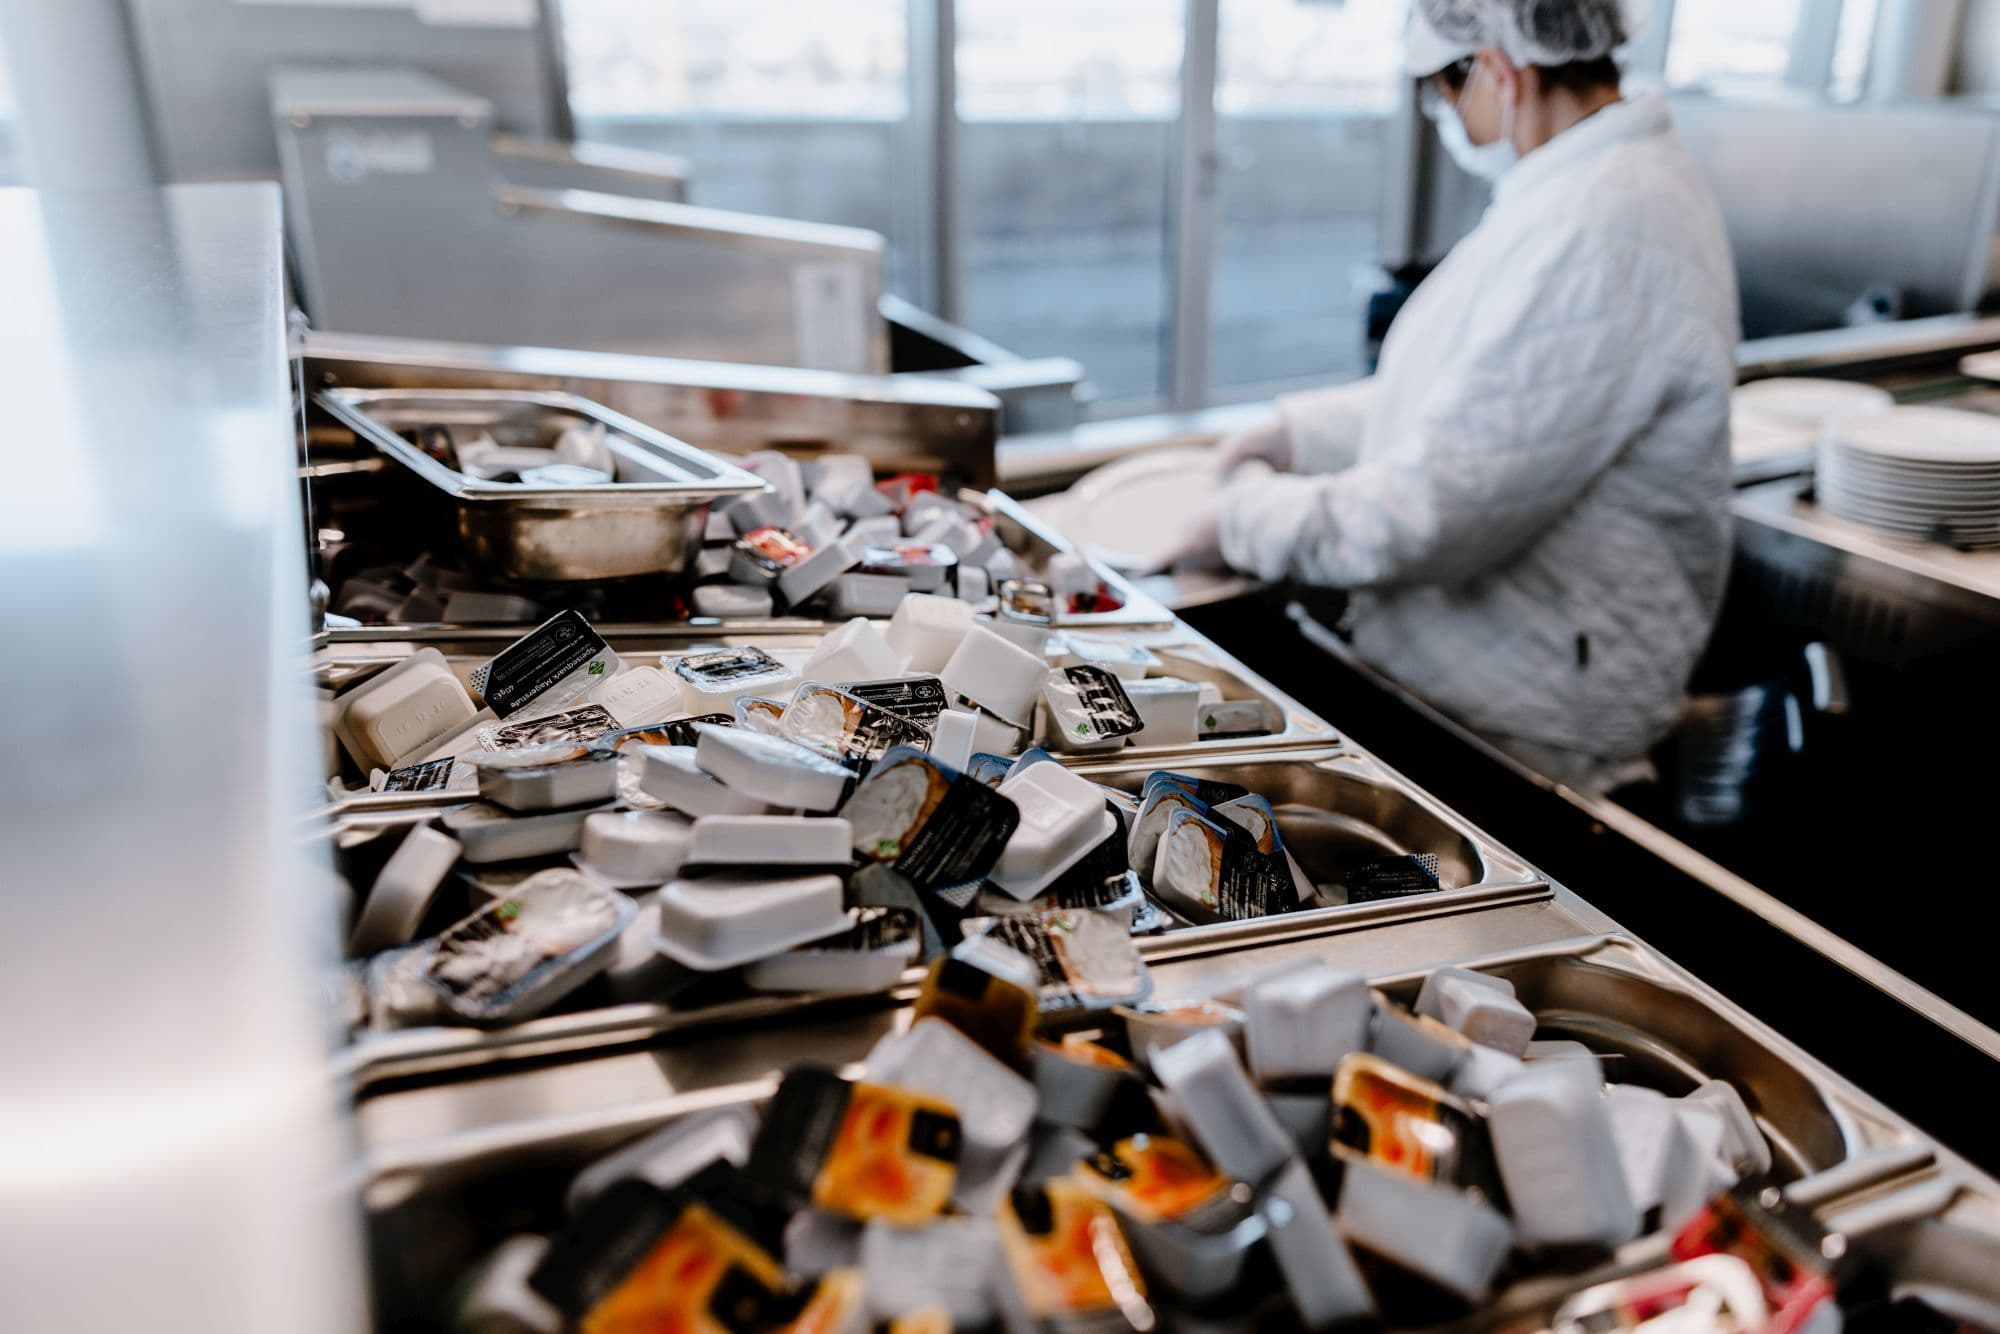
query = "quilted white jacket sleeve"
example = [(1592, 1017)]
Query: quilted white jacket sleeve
[(1324, 426), (1549, 382)]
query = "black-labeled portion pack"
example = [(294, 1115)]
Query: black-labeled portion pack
[(1205, 866), (586, 724), (430, 776), (553, 663), (606, 1242), (919, 698), (679, 732), (902, 1168), (1393, 878), (875, 885), (936, 827), (1209, 791), (619, 1236), (1086, 959), (727, 666), (843, 726), (1088, 704), (874, 929)]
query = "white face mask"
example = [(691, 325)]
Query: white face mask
[(1487, 161)]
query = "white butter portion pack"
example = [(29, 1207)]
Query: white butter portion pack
[(724, 922), (397, 712)]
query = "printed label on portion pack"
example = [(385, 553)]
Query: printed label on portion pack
[(1208, 791), (430, 776), (1408, 1124), (1235, 717), (919, 698), (639, 1257), (873, 929), (549, 666), (847, 728), (1087, 959), (679, 732), (767, 553), (935, 830), (1251, 885), (1089, 704), (585, 724), (728, 666), (1393, 878), (901, 1165)]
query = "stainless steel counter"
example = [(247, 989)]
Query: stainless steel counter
[(167, 1111), (1913, 594)]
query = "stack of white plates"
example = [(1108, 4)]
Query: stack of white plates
[(1773, 419), (1805, 402), (1926, 473)]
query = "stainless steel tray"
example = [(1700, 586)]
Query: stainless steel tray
[(1360, 810), (554, 533), (1034, 541), (1938, 1238), (1186, 653), (1656, 1026), (453, 1170)]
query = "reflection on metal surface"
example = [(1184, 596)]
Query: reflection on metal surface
[(1915, 185), (1869, 349), (901, 423), (1876, 596), (552, 164), (1036, 394), (404, 223), (440, 1151), (159, 755), (1657, 1026)]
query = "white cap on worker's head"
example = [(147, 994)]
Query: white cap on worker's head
[(1531, 32), (1426, 50)]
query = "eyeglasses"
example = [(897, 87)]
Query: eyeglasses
[(1432, 96)]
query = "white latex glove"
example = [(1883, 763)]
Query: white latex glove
[(1200, 544), (1268, 443)]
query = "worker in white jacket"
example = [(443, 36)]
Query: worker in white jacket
[(1528, 499)]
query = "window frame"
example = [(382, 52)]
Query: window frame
[(929, 198)]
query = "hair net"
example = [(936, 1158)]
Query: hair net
[(1538, 32)]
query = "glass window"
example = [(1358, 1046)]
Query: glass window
[(1303, 95), (791, 108), (749, 57), (1853, 50), (10, 170), (1065, 148), (1727, 45)]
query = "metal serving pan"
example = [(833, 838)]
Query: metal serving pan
[(648, 523), (1032, 540), (474, 1163), (1938, 1238), (1185, 653), (1343, 808), (1654, 1025)]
